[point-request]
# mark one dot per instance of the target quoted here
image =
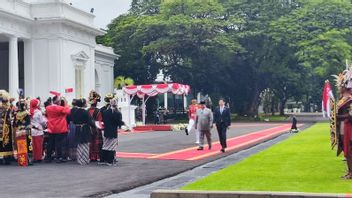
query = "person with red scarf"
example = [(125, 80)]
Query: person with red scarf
[(96, 143), (57, 128), (38, 122)]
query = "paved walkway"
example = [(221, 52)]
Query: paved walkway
[(72, 180)]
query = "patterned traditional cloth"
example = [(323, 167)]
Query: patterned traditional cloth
[(110, 144), (97, 139), (96, 145), (72, 141), (6, 135), (22, 122), (83, 154)]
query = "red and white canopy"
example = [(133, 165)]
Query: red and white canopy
[(153, 90)]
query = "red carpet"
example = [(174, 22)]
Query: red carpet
[(235, 143)]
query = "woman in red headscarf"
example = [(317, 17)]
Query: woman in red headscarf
[(38, 122)]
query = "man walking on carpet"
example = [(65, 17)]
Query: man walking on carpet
[(222, 119), (204, 124)]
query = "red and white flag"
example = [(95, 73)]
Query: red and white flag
[(55, 93), (327, 95), (69, 90)]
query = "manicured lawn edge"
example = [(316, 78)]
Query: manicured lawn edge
[(303, 163)]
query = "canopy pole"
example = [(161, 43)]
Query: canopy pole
[(165, 100), (129, 111), (144, 108), (184, 102)]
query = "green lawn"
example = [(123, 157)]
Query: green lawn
[(303, 163), (260, 118)]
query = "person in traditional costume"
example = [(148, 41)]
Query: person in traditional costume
[(57, 128), (83, 123), (39, 123), (97, 139), (72, 140), (112, 120), (344, 118), (22, 124), (108, 97), (6, 137)]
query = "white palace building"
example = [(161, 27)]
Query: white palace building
[(49, 45)]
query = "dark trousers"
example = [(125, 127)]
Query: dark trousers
[(107, 156), (222, 130), (57, 142), (207, 134)]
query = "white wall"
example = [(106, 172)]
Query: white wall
[(105, 72)]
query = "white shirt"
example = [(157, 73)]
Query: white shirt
[(222, 109), (38, 122)]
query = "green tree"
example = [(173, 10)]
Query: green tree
[(320, 38), (235, 48), (122, 81)]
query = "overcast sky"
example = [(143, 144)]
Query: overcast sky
[(104, 10)]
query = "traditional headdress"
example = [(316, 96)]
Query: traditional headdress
[(22, 105), (4, 96), (94, 97), (344, 79), (108, 97)]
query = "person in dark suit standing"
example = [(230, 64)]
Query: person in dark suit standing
[(222, 119)]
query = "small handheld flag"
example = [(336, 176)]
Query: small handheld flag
[(55, 93), (327, 96)]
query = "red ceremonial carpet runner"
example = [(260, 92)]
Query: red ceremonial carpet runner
[(236, 143)]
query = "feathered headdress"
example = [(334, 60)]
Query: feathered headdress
[(344, 79)]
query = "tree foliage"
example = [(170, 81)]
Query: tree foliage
[(235, 48)]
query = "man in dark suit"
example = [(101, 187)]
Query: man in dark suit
[(222, 119)]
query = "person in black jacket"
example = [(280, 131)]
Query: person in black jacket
[(112, 120), (222, 119), (83, 123)]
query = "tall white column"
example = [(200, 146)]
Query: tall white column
[(29, 87), (13, 67)]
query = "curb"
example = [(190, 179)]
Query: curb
[(238, 194)]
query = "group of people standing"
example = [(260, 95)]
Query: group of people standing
[(202, 121), (30, 133)]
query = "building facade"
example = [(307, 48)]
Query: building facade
[(49, 45)]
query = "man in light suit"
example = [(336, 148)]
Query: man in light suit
[(204, 124), (222, 119)]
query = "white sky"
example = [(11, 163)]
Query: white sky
[(104, 10)]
